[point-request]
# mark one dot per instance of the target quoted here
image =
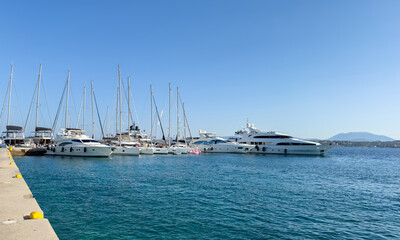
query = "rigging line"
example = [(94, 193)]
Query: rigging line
[(98, 114), (5, 99), (29, 111), (47, 103), (59, 108), (159, 118), (74, 105), (19, 105), (184, 115), (80, 110), (134, 107)]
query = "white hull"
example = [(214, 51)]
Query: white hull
[(147, 150), (160, 150), (293, 150), (127, 151), (226, 148), (178, 150), (80, 151)]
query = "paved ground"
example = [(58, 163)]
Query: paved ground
[(16, 204)]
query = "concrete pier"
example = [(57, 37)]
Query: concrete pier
[(16, 205)]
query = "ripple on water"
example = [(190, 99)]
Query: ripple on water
[(351, 193)]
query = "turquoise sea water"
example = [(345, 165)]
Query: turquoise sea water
[(352, 193)]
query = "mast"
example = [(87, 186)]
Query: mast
[(9, 97), (38, 93), (129, 105), (106, 122), (151, 110), (187, 122), (91, 85), (169, 115), (84, 106), (116, 115), (177, 114), (184, 125), (120, 104), (66, 106)]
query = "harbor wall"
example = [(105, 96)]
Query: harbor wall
[(16, 205)]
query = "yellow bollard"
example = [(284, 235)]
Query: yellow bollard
[(18, 176), (36, 215), (12, 163)]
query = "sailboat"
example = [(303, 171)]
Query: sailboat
[(123, 143), (178, 147), (42, 135), (14, 136)]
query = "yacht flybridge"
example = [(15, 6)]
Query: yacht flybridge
[(73, 142), (209, 142), (278, 143)]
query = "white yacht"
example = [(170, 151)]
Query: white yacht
[(73, 142), (126, 148), (124, 144), (278, 143), (179, 149), (209, 142)]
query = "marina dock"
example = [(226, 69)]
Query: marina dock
[(17, 204)]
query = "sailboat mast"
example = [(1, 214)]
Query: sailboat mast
[(9, 96), (184, 124), (120, 104), (151, 111), (38, 93), (66, 106), (177, 114), (129, 105), (106, 122), (169, 115), (91, 85), (116, 114), (84, 107), (184, 114)]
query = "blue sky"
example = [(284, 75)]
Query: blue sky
[(308, 68)]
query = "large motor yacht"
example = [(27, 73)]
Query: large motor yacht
[(278, 143), (73, 142), (209, 142)]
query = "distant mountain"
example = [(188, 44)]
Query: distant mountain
[(360, 137)]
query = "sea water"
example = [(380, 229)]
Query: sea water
[(351, 193)]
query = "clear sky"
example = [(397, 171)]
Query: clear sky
[(311, 69)]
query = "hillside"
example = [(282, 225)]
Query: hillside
[(359, 137)]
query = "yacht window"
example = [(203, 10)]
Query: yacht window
[(76, 140), (220, 141), (273, 136), (89, 141), (64, 144), (294, 143), (200, 142)]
